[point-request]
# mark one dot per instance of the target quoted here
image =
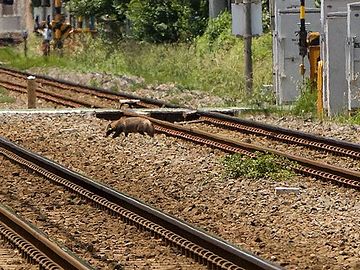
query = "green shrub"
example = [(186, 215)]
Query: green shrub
[(217, 34), (263, 166), (265, 16), (161, 21)]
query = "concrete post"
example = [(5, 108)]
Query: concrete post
[(216, 7), (31, 92)]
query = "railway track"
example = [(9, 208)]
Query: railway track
[(34, 246), (110, 98), (204, 248), (321, 143), (276, 133), (299, 164), (305, 166)]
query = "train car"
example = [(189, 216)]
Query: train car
[(15, 19)]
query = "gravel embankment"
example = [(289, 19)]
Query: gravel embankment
[(102, 240), (72, 93), (319, 229)]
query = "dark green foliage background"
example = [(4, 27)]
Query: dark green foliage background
[(150, 20)]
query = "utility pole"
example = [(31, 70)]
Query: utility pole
[(247, 48)]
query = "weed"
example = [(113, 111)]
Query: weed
[(353, 119), (306, 103), (219, 72), (94, 83), (175, 101), (263, 166), (4, 96), (114, 88)]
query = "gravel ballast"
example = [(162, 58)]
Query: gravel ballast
[(318, 229), (104, 241)]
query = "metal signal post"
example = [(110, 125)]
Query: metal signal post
[(302, 37)]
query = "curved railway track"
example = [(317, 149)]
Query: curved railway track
[(194, 243)]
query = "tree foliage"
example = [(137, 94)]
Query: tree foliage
[(151, 20), (159, 21), (98, 8)]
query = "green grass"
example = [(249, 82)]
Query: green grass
[(353, 119), (219, 72), (4, 97), (263, 166), (15, 58)]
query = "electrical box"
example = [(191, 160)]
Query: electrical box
[(353, 56), (285, 20), (328, 6), (287, 77), (238, 19), (336, 86)]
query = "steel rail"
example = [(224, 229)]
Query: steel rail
[(301, 165), (337, 147), (21, 89), (97, 91), (50, 96), (282, 134), (34, 245), (195, 243), (305, 166)]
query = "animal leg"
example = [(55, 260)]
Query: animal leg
[(108, 132), (117, 133)]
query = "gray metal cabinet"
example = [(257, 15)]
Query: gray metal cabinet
[(353, 56), (336, 86), (287, 60), (329, 6)]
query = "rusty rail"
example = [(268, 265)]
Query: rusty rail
[(337, 147), (95, 91), (194, 243), (34, 246), (301, 165)]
